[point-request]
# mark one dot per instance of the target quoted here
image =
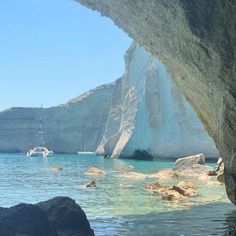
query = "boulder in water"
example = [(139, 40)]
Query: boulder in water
[(186, 162), (193, 166), (92, 184)]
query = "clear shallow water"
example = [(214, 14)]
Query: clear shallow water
[(112, 208)]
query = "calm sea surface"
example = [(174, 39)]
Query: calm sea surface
[(119, 205)]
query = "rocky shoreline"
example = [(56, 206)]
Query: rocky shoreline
[(61, 216)]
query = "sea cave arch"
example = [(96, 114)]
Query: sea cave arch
[(196, 40)]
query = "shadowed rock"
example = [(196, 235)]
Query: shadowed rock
[(25, 219), (59, 216)]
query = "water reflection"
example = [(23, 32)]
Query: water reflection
[(204, 220), (230, 222)]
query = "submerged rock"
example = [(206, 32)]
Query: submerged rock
[(134, 175), (55, 168), (187, 189), (186, 185), (165, 174), (156, 187), (181, 191), (126, 186), (172, 195), (95, 171), (59, 216)]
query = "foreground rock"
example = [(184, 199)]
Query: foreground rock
[(156, 187), (95, 171), (59, 216)]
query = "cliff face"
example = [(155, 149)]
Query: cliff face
[(196, 40), (149, 114), (75, 126)]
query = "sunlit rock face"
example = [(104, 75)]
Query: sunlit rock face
[(149, 114), (196, 40), (75, 126)]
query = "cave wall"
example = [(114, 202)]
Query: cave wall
[(196, 40)]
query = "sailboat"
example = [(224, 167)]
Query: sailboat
[(40, 150)]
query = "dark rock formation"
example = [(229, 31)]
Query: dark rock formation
[(196, 40), (60, 216), (25, 219)]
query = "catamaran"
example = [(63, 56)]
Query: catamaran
[(40, 150)]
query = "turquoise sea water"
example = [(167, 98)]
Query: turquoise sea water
[(119, 205)]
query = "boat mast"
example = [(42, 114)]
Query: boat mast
[(41, 128)]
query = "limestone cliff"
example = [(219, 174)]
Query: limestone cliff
[(75, 126), (196, 40), (149, 114)]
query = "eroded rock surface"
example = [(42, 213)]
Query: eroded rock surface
[(196, 40), (149, 117)]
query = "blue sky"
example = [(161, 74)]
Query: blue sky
[(54, 50)]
